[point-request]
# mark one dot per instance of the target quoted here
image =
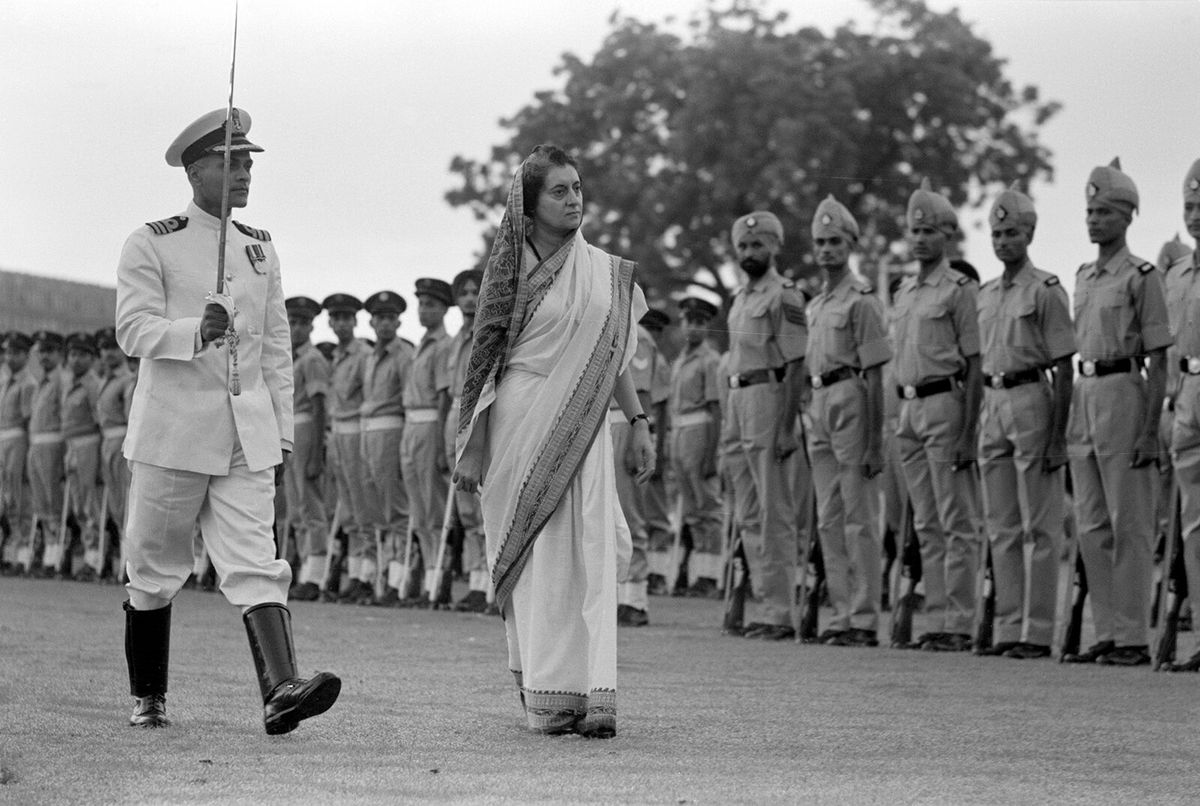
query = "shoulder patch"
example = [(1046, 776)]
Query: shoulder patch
[(1051, 281), (257, 234), (793, 313), (168, 225), (1146, 268)]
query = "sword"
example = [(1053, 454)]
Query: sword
[(219, 296)]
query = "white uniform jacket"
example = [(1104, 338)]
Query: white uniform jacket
[(184, 416)]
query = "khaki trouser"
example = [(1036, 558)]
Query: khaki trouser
[(1022, 506), (381, 451), (1185, 448), (701, 504), (421, 448), (770, 540), (13, 500), (1114, 504), (633, 589), (847, 504), (942, 505), (474, 559), (354, 491), (305, 497)]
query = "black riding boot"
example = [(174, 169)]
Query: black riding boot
[(287, 698), (147, 650)]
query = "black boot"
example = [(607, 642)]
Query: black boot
[(147, 649), (287, 698)]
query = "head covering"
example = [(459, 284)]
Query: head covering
[(106, 338), (341, 303), (48, 340), (302, 307), (385, 302), (756, 223), (438, 289), (16, 340), (832, 218), (1172, 251), (82, 342), (1191, 183), (206, 136), (463, 277), (695, 309), (930, 208), (1109, 187), (1012, 208), (655, 319)]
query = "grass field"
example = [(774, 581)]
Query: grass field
[(429, 714)]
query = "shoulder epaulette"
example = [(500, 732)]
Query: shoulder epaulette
[(168, 225), (963, 279), (1051, 281), (257, 234), (866, 289), (1146, 268), (786, 283), (1082, 266)]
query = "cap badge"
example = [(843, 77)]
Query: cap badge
[(751, 222), (384, 297), (1194, 184), (826, 220), (256, 255), (918, 214), (236, 119), (1092, 190), (1001, 213)]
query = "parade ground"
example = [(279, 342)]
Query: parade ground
[(429, 714)]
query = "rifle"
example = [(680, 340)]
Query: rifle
[(987, 596), (103, 532), (1078, 593), (64, 545), (910, 575), (736, 578), (1174, 581), (331, 543), (810, 602), (679, 553), (435, 576)]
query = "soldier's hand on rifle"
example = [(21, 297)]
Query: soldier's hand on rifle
[(964, 452), (785, 444), (872, 464), (315, 466), (287, 455), (469, 470), (1145, 451), (213, 323), (1055, 454)]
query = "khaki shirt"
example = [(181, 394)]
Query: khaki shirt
[(1183, 310), (310, 376), (767, 327), (79, 405), (114, 398), (649, 369), (845, 329), (935, 325), (346, 384), (695, 380), (384, 374), (458, 356), (429, 374), (46, 414), (1120, 311), (1024, 324), (16, 399)]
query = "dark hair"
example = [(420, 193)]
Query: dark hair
[(535, 169)]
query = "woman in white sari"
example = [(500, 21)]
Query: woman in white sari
[(554, 333)]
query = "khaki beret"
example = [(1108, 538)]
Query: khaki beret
[(757, 223), (832, 218), (1109, 187), (932, 209)]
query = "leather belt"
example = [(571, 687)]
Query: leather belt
[(346, 426), (756, 376), (1007, 380), (46, 438), (384, 422), (304, 418), (831, 377), (698, 417), (114, 431), (1190, 365), (84, 440), (1100, 367), (422, 415), (11, 433), (927, 389)]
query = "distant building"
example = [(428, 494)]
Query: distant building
[(30, 302)]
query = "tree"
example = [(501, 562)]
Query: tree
[(677, 138)]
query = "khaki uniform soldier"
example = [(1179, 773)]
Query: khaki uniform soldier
[(767, 339), (81, 433), (1183, 303), (358, 498), (1173, 257), (652, 382), (423, 449), (936, 332), (1025, 327), (694, 409), (385, 372), (16, 406), (474, 562), (1120, 321), (46, 451), (113, 401), (847, 346), (303, 475)]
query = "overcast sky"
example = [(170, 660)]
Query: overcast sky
[(361, 104)]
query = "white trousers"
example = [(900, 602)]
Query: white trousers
[(235, 513)]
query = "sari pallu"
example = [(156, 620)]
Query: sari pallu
[(555, 532)]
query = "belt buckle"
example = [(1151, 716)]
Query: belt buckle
[(734, 382), (998, 381), (910, 393), (817, 383), (1089, 368), (1193, 366)]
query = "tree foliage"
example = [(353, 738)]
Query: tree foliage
[(678, 135)]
